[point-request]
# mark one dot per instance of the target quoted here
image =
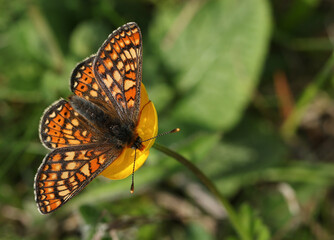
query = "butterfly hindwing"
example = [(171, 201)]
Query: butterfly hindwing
[(83, 82), (117, 68), (66, 171), (61, 126)]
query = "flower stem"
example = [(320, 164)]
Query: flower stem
[(209, 184)]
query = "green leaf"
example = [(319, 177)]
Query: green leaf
[(92, 218), (242, 156), (87, 38), (298, 12), (54, 85), (217, 57), (253, 224), (197, 232), (90, 214)]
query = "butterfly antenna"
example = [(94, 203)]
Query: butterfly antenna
[(132, 189), (161, 134)]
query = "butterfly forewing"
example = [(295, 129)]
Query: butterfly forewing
[(117, 68), (66, 171), (61, 126)]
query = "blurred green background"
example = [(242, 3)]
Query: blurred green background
[(250, 84)]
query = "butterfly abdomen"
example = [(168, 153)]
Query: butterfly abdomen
[(93, 113)]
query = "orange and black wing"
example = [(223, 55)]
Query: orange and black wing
[(66, 171), (84, 84), (61, 126), (118, 70)]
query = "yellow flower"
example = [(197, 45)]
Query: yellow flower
[(147, 128)]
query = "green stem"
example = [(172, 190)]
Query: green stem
[(290, 125), (208, 183)]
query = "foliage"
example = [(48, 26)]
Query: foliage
[(249, 83)]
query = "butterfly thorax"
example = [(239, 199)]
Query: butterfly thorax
[(137, 144), (110, 128)]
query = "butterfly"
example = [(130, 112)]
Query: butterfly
[(87, 132)]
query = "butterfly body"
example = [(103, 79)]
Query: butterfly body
[(90, 131), (109, 128)]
